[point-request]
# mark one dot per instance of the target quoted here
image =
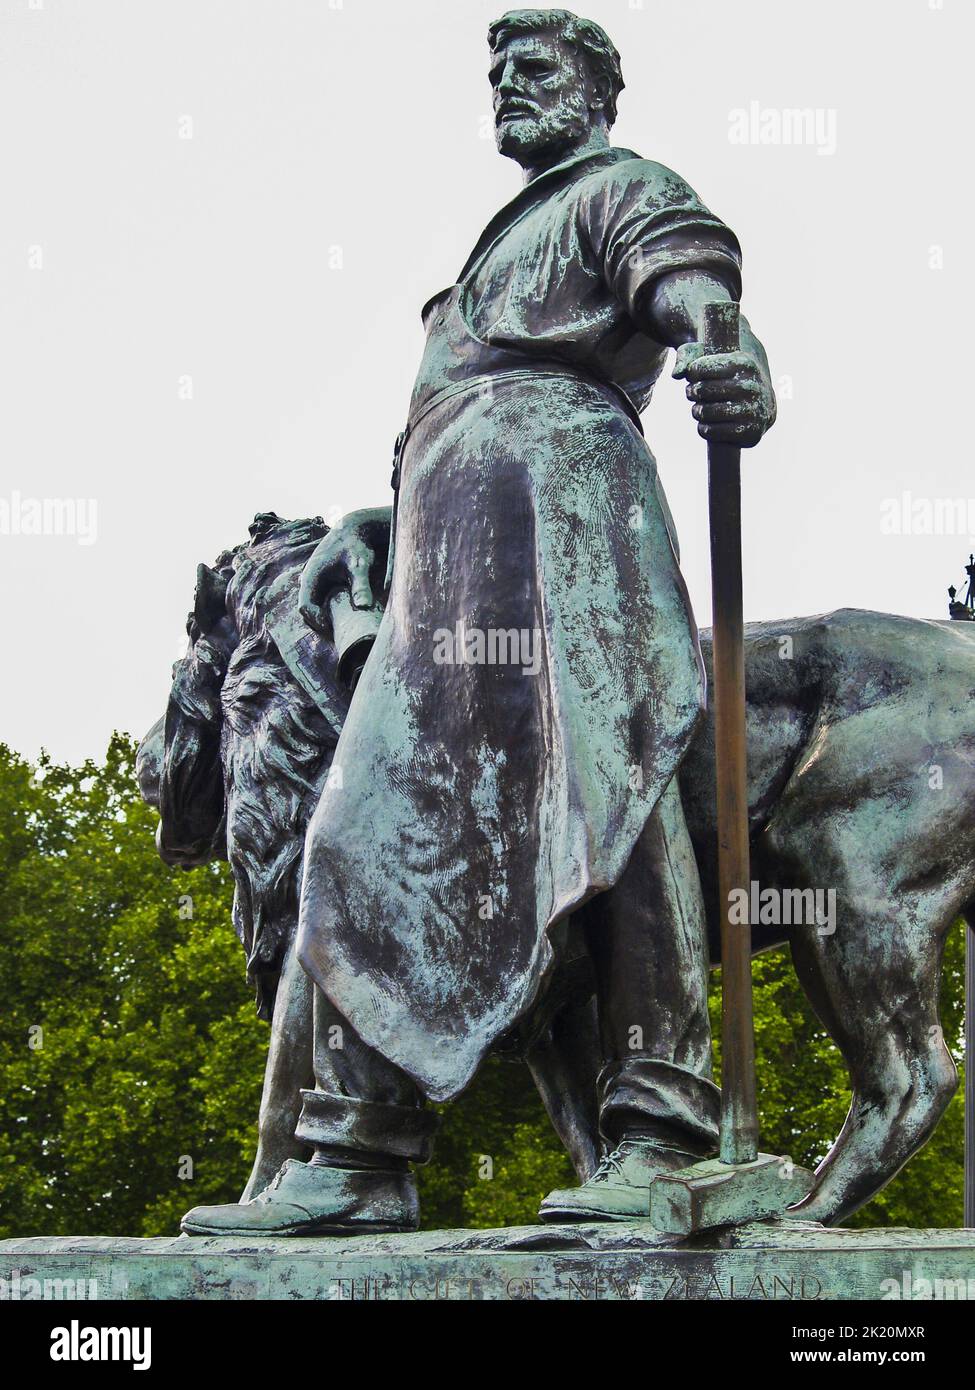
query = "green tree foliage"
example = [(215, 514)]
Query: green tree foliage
[(149, 1058), (131, 1057)]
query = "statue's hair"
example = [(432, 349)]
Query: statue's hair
[(583, 35)]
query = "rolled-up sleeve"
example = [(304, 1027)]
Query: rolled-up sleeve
[(645, 222)]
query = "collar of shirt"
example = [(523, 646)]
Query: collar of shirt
[(540, 188)]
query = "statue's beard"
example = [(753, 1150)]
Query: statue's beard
[(528, 138)]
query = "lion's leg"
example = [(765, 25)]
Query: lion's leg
[(874, 984), (289, 1069), (877, 811)]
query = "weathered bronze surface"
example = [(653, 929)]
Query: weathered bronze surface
[(834, 796), (510, 822), (792, 1262), (238, 762)]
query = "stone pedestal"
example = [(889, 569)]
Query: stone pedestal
[(771, 1261)]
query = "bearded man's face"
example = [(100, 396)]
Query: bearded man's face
[(541, 98)]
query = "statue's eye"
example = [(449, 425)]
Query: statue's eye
[(537, 69)]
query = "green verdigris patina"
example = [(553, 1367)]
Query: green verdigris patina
[(619, 1262), (834, 797), (505, 806), (507, 793)]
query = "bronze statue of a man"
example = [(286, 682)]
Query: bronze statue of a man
[(507, 794)]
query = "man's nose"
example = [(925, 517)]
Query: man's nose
[(508, 85)]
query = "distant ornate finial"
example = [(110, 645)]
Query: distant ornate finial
[(963, 612)]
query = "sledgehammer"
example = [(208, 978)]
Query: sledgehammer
[(741, 1184)]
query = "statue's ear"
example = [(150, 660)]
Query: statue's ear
[(210, 600)]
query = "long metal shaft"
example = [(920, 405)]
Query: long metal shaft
[(739, 1111)]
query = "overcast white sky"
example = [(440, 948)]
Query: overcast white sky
[(337, 175)]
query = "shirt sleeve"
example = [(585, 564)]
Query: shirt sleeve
[(645, 221)]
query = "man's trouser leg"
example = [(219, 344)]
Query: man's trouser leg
[(648, 939), (658, 1107), (364, 1111), (365, 1123)]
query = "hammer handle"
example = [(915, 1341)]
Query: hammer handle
[(739, 1113)]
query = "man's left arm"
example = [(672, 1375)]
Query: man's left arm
[(732, 395)]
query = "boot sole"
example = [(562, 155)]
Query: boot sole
[(567, 1215), (366, 1228)]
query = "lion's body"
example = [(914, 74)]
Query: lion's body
[(861, 749)]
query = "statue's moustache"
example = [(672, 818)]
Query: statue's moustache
[(505, 112)]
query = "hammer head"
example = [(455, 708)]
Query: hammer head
[(712, 1193)]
